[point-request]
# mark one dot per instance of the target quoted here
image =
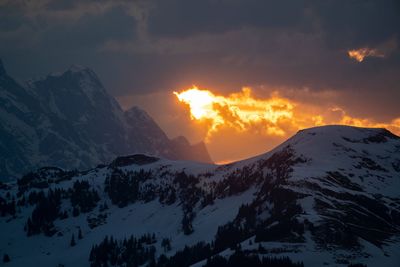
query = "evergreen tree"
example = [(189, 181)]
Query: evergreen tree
[(73, 243), (83, 197), (166, 244), (80, 234), (47, 209), (6, 258), (64, 215)]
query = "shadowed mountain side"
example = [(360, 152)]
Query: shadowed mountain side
[(69, 120)]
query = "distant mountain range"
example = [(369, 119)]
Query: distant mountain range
[(70, 121), (328, 196)]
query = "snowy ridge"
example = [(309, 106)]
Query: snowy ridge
[(327, 196)]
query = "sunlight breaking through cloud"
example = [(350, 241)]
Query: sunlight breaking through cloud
[(272, 116)]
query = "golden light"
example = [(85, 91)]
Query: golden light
[(200, 102), (272, 116), (240, 111), (360, 54)]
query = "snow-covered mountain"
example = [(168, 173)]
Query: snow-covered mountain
[(329, 196), (69, 120)]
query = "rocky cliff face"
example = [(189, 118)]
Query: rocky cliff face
[(69, 120)]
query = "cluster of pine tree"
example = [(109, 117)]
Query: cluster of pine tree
[(131, 252), (167, 195), (43, 177), (33, 198), (240, 259), (282, 230), (184, 180), (229, 235), (189, 195), (123, 188), (7, 207), (83, 199), (238, 181), (166, 244), (186, 257), (141, 252), (31, 180), (46, 211)]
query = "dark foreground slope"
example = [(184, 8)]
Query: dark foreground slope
[(329, 196), (69, 120)]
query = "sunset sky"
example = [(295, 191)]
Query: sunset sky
[(265, 68)]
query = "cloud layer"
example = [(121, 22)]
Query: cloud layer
[(272, 116), (291, 43)]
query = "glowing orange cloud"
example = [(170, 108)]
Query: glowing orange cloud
[(239, 111), (393, 125), (274, 116), (360, 54)]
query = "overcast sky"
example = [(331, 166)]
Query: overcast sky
[(144, 49)]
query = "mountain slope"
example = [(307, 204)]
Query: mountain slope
[(69, 120), (327, 196)]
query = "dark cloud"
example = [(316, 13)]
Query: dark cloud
[(41, 41), (358, 23), (146, 46), (10, 19), (89, 31), (61, 5), (184, 18), (345, 23)]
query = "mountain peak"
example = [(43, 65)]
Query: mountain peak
[(77, 79), (353, 132), (138, 113), (76, 71)]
